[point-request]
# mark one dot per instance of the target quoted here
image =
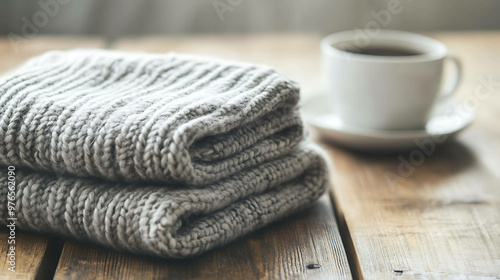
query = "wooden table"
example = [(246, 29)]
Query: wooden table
[(442, 220)]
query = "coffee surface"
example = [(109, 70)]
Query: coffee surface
[(384, 51)]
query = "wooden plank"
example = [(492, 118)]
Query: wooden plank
[(281, 251), (440, 218), (36, 255)]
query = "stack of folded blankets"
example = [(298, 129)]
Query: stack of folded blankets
[(161, 154)]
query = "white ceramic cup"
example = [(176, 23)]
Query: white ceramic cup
[(386, 92)]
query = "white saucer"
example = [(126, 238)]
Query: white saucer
[(446, 121)]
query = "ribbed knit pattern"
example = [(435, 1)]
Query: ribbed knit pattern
[(165, 220), (169, 155), (145, 117)]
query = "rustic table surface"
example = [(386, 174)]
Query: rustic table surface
[(440, 219)]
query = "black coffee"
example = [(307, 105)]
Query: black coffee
[(383, 51)]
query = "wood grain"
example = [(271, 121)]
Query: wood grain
[(35, 256), (439, 219), (282, 251)]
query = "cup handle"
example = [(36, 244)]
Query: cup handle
[(452, 83)]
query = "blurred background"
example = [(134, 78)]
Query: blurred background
[(261, 31), (115, 18)]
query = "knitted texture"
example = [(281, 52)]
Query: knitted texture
[(145, 117), (168, 155), (167, 220)]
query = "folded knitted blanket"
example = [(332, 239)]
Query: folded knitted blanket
[(169, 155)]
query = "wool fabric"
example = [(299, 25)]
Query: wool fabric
[(145, 117), (162, 154), (167, 220)]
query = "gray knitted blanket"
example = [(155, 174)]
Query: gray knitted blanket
[(169, 155)]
